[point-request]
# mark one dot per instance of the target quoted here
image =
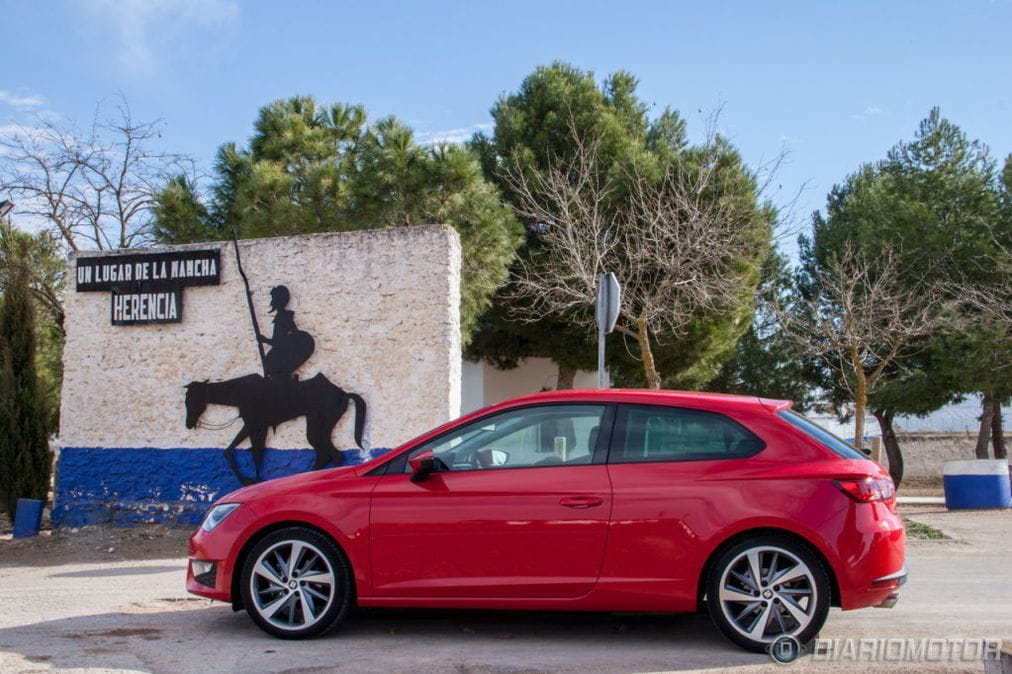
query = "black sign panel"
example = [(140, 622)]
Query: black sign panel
[(149, 270), (148, 287)]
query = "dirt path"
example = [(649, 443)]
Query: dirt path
[(92, 544)]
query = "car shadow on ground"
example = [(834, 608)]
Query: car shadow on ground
[(188, 634), (119, 571)]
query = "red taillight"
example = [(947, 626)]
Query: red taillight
[(868, 489)]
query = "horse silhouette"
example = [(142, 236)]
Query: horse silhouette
[(264, 403)]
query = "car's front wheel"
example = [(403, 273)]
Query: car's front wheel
[(767, 587), (295, 583)]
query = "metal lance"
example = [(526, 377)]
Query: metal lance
[(249, 302)]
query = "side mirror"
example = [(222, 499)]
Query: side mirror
[(422, 465)]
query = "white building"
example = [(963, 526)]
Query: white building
[(482, 384)]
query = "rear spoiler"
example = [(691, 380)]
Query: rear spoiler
[(774, 405)]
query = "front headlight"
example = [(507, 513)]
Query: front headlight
[(216, 514)]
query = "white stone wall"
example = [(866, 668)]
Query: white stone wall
[(382, 305), (924, 454)]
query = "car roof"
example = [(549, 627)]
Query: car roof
[(651, 396)]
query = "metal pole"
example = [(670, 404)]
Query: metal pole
[(601, 314), (600, 355), (249, 302)]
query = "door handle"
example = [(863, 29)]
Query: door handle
[(581, 501)]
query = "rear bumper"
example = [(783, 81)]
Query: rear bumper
[(873, 557), (898, 577), (892, 580)]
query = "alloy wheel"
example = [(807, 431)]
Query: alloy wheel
[(292, 585), (767, 591)]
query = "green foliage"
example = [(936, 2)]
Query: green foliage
[(932, 201), (766, 362), (25, 459), (922, 532), (537, 127), (180, 217), (310, 168), (40, 257), (49, 368), (936, 203)]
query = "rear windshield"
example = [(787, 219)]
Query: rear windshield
[(839, 447)]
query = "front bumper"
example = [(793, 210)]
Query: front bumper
[(208, 583), (204, 572), (213, 556)]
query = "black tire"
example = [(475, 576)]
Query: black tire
[(281, 603), (741, 611)]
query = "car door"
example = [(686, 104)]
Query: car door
[(518, 508), (676, 474)]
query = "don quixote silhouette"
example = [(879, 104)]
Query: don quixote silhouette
[(265, 401)]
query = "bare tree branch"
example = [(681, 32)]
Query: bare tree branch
[(674, 234), (992, 303), (860, 318), (95, 188), (39, 257)]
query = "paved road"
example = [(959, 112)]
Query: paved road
[(135, 616)]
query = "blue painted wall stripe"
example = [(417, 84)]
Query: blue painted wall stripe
[(126, 485)]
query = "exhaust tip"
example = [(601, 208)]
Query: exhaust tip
[(889, 601)]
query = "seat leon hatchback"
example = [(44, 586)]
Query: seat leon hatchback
[(645, 501)]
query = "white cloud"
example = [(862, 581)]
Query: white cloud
[(142, 28), (451, 136), (10, 131), (21, 101), (870, 111)]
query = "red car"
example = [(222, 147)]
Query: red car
[(576, 501)]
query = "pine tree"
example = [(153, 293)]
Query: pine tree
[(25, 460), (546, 125), (936, 203), (311, 168)]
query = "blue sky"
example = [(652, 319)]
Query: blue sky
[(835, 84)]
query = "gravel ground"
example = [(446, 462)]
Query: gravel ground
[(92, 544), (71, 604)]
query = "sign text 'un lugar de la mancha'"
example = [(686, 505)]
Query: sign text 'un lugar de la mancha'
[(148, 287)]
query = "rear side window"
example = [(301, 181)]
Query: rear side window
[(840, 447), (654, 433)]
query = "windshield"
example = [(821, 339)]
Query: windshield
[(838, 446)]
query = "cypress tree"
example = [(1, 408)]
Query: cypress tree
[(25, 460)]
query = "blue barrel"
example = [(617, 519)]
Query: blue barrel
[(28, 519), (982, 483)]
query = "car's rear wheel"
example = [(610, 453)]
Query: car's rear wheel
[(764, 588), (295, 583)]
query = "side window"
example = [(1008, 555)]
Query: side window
[(649, 433), (551, 435), (840, 447)]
